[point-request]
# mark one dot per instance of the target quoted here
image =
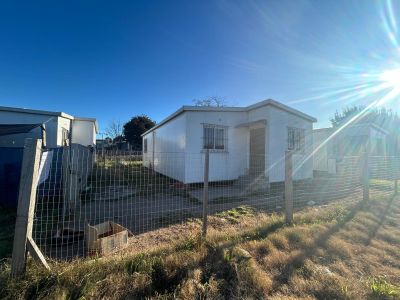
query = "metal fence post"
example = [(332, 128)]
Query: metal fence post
[(288, 187), (205, 191), (26, 204), (365, 177)]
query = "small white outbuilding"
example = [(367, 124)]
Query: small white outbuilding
[(61, 128), (242, 141), (331, 145)]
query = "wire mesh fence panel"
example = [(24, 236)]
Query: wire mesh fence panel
[(328, 187), (142, 192)]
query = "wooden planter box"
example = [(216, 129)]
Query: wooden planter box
[(105, 238)]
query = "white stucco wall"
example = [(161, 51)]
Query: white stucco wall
[(225, 164), (83, 132), (167, 152), (320, 147), (279, 121), (375, 136), (63, 123)]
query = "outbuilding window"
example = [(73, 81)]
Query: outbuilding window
[(145, 145), (214, 137), (296, 139)]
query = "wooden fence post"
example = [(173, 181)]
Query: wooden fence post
[(205, 191), (365, 177), (288, 187), (26, 204)]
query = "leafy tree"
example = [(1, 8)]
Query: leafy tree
[(135, 128), (119, 139), (347, 113)]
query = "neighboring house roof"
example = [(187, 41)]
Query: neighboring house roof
[(8, 129), (234, 109), (36, 112), (352, 126), (48, 113)]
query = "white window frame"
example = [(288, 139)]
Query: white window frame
[(221, 147), (296, 139)]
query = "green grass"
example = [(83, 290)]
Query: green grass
[(130, 173), (382, 184), (382, 289), (234, 215)]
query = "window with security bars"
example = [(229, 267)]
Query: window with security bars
[(214, 137), (296, 139)]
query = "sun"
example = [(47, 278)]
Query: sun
[(391, 78)]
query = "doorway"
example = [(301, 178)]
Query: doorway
[(257, 151)]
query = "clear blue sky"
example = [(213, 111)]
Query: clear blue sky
[(116, 59)]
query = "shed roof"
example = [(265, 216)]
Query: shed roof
[(48, 113), (36, 112), (8, 129), (234, 109)]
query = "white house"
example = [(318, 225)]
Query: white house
[(59, 127), (248, 140), (332, 144)]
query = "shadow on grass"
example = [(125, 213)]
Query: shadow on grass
[(382, 217), (297, 261)]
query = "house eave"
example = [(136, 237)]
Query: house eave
[(262, 122), (36, 112), (233, 109), (49, 113)]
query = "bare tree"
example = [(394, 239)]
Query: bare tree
[(114, 129), (212, 101)]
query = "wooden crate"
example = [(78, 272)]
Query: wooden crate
[(105, 238)]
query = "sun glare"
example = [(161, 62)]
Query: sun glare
[(391, 78)]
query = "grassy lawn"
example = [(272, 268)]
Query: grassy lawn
[(131, 174), (344, 250)]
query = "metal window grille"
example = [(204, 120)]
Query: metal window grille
[(214, 137)]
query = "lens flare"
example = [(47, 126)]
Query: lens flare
[(391, 78)]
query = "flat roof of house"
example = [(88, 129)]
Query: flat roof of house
[(36, 112), (234, 109), (47, 113)]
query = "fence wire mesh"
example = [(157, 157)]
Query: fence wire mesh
[(144, 192)]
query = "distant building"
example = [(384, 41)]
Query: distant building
[(60, 128), (68, 141), (331, 146)]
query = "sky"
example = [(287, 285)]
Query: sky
[(113, 60)]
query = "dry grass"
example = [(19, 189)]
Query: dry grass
[(339, 251)]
